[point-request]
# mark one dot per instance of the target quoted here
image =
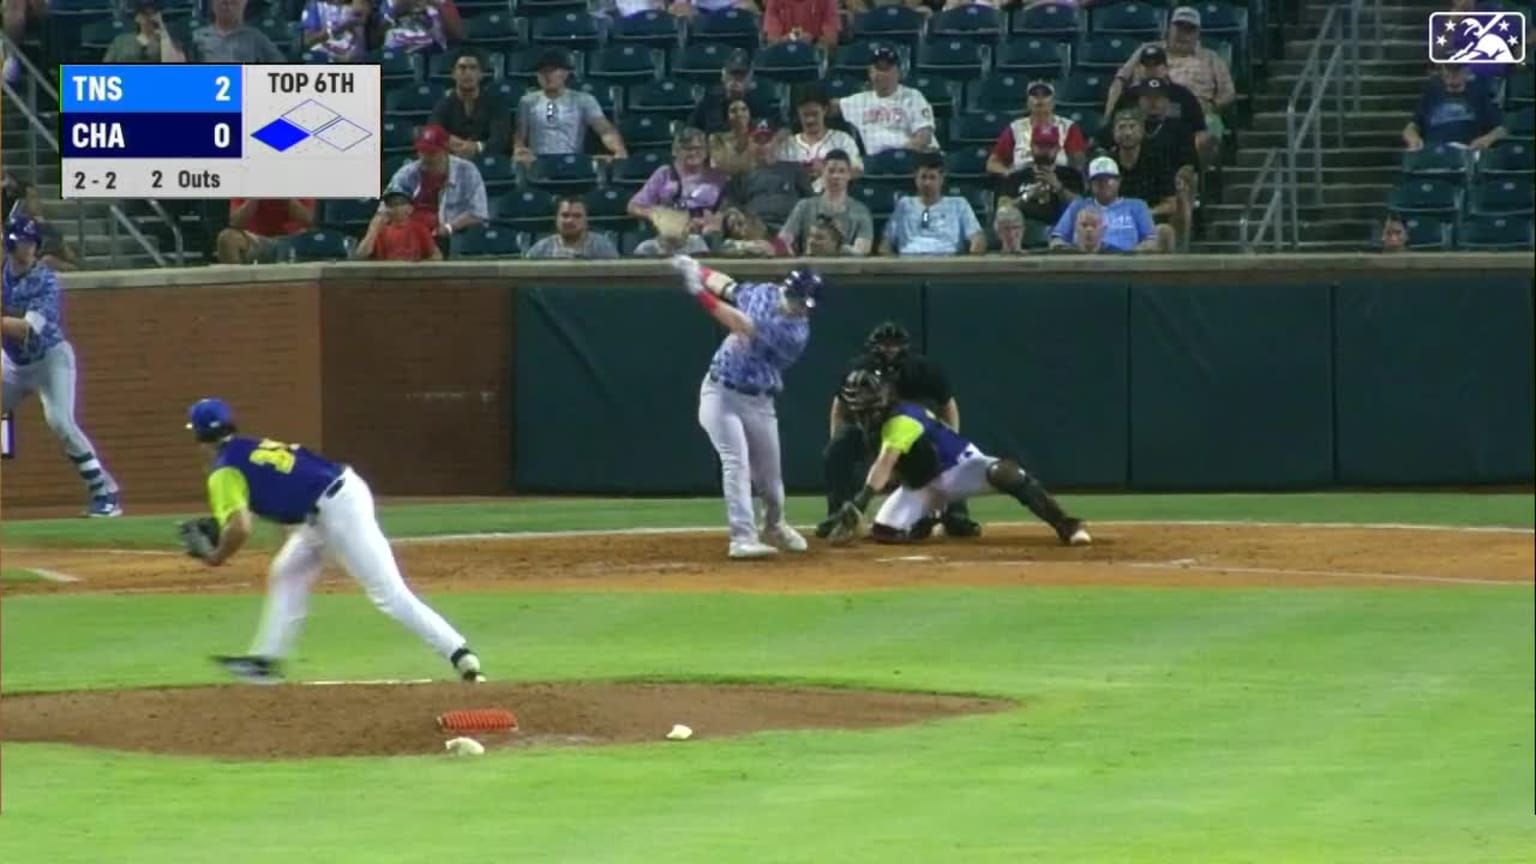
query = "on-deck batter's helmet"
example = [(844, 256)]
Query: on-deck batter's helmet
[(22, 230), (804, 284)]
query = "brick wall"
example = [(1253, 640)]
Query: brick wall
[(145, 354)]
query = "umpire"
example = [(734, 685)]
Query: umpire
[(917, 379)]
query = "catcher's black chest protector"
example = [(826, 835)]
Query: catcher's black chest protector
[(916, 378)]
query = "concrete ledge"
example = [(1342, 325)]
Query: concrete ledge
[(1449, 263)]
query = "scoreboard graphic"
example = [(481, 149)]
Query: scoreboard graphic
[(220, 131)]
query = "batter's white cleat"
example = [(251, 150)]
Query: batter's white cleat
[(747, 549), (786, 538)]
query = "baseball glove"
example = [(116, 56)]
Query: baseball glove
[(845, 525), (670, 224), (199, 536)]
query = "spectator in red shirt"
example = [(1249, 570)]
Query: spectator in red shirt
[(803, 20), (394, 236), (258, 228), (1012, 152)]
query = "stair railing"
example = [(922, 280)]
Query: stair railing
[(36, 81), (1304, 131), (1272, 222)]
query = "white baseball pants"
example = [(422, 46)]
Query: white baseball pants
[(53, 379), (745, 432), (966, 479)]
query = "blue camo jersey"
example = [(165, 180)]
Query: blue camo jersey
[(33, 295), (910, 422), (274, 480), (758, 362)]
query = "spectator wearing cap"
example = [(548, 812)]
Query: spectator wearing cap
[(688, 184), (1188, 64), (1149, 176), (553, 120), (150, 42), (1456, 108), (334, 29), (930, 222), (731, 150), (572, 237), (889, 115), (854, 223), (1008, 225), (817, 21), (771, 188), (394, 236), (259, 228), (1042, 187), (416, 26), (712, 114), (1015, 144), (227, 38), (1128, 225), (816, 139), (477, 121), (447, 192), (1180, 103)]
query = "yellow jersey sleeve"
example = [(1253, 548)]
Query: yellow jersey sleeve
[(228, 493), (899, 433)]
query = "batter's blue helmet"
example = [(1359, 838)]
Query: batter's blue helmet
[(22, 230), (804, 284)]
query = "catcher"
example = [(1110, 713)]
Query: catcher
[(916, 379), (329, 510), (935, 467)]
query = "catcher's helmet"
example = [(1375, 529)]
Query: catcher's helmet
[(864, 392), (804, 284), (22, 230)]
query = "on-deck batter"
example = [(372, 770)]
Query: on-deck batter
[(330, 511), (37, 358), (770, 326)]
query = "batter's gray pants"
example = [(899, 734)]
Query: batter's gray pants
[(745, 432), (53, 379)]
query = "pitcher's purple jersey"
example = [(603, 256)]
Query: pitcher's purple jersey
[(33, 295), (757, 363)]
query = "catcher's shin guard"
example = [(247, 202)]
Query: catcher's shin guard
[(1007, 477)]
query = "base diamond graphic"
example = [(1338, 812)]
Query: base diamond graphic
[(343, 134), (280, 135), (310, 116)]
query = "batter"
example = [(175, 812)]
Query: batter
[(37, 358), (935, 466), (330, 511), (770, 326)]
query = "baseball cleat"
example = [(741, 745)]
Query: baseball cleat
[(746, 549), (104, 507), (1073, 533), (962, 527), (786, 538), (468, 666), (825, 527), (252, 669)]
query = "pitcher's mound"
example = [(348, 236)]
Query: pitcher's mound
[(295, 721)]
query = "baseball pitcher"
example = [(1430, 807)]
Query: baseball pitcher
[(769, 326), (915, 379), (934, 466), (329, 511), (37, 358)]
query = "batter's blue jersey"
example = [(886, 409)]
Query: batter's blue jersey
[(276, 481), (33, 295)]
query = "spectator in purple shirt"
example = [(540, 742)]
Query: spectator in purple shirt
[(1456, 109), (687, 184)]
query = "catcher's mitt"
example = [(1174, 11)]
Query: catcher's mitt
[(845, 525), (199, 536)]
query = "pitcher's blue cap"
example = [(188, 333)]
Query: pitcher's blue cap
[(210, 418)]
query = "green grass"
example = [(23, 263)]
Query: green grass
[(1333, 726), (608, 514), (15, 575)]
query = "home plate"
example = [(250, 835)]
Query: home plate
[(906, 559)]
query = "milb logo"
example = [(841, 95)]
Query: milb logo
[(1477, 37), (309, 119)]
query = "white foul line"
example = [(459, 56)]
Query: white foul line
[(1186, 564), (54, 575)]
